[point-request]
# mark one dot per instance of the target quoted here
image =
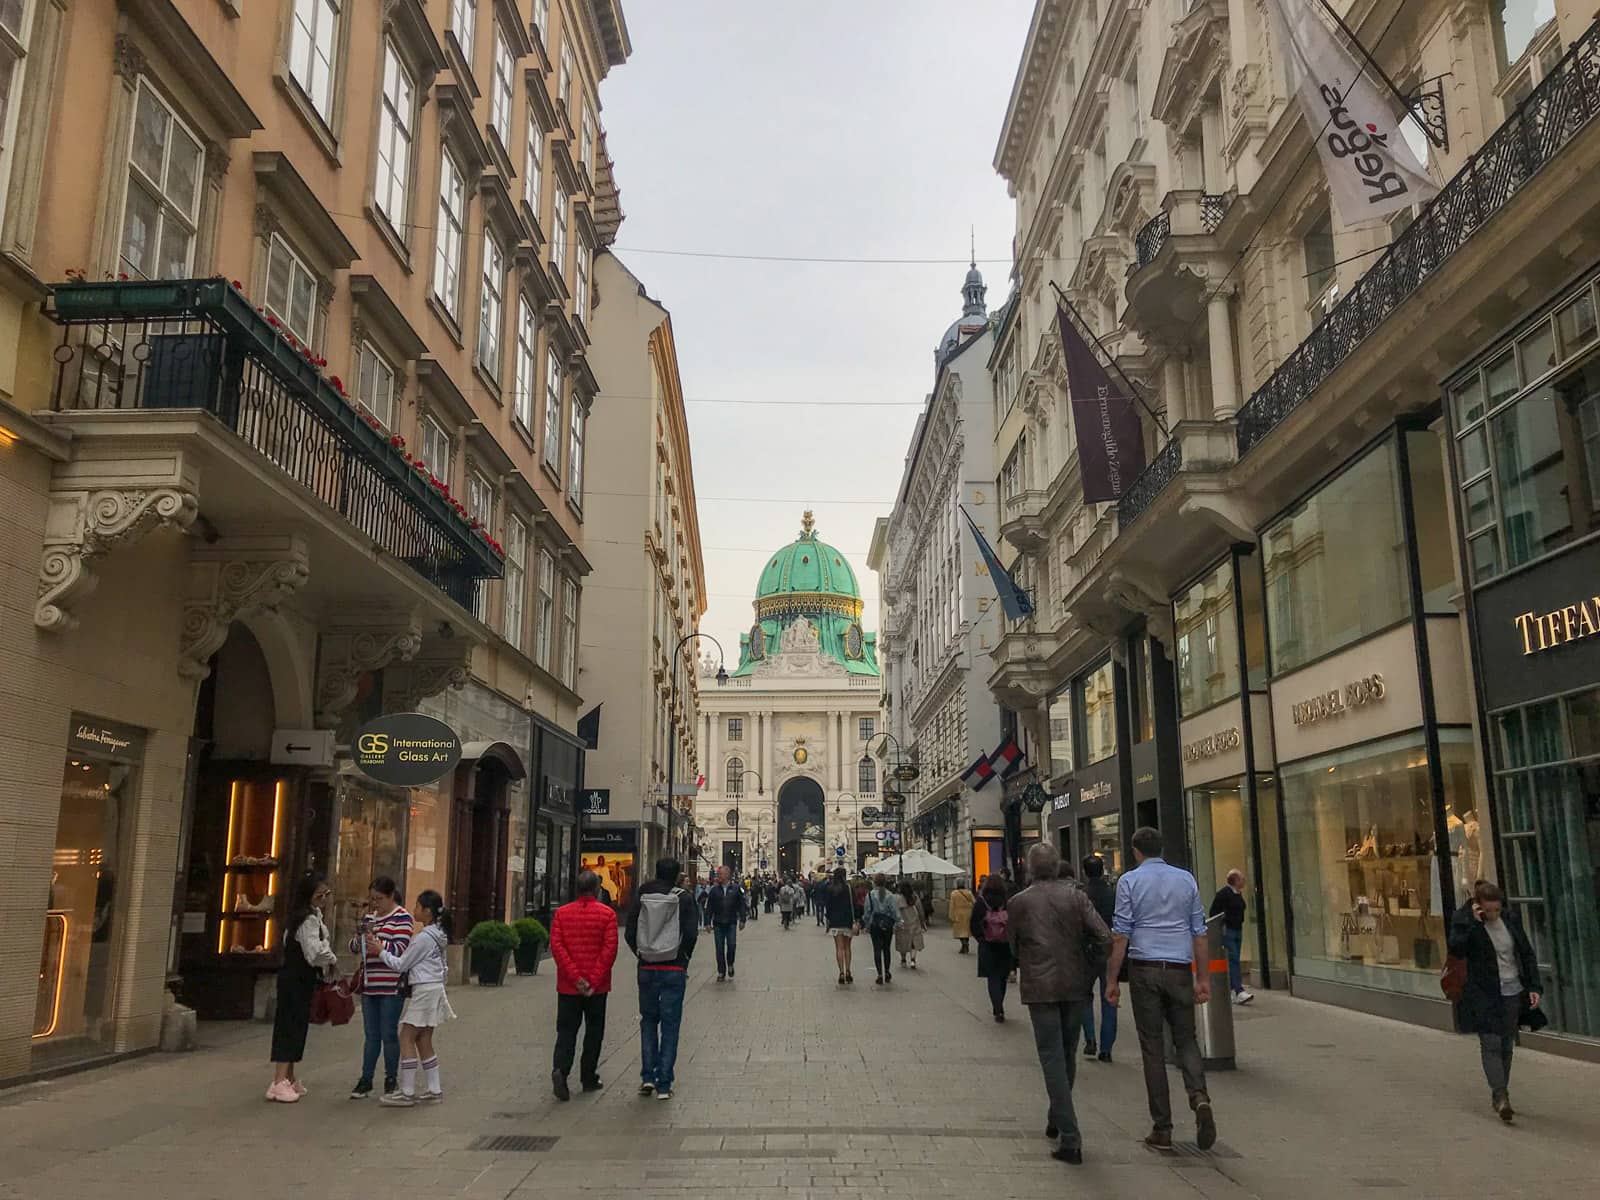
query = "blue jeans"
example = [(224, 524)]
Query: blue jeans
[(660, 1011), (1233, 943), (1108, 1021), (727, 938), (380, 1018)]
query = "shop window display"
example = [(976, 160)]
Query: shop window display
[(372, 842), (1548, 815), (77, 956), (1362, 860), (1102, 836), (427, 843)]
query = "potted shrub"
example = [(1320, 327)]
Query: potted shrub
[(531, 940), (491, 944)]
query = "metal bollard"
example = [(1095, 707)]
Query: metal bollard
[(1213, 1020)]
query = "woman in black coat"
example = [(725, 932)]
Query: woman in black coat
[(994, 956), (1503, 987)]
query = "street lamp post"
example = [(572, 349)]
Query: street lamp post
[(895, 800), (738, 820), (672, 729)]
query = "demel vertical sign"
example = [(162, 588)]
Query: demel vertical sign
[(405, 749)]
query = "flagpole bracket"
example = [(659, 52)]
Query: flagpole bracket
[(1427, 106)]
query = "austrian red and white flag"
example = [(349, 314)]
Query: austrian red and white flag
[(1371, 169)]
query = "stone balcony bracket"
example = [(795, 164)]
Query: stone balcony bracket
[(233, 579)]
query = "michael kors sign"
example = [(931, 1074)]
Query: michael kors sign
[(1545, 631), (1337, 701), (1211, 745)]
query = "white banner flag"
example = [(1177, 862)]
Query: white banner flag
[(1371, 170)]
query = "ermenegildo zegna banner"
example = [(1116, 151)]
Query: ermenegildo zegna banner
[(405, 749), (1110, 441)]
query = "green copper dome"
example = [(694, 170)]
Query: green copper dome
[(810, 580)]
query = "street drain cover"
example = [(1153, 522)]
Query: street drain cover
[(513, 1143), (1190, 1150)]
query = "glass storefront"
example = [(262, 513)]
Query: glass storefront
[(74, 1005), (1548, 814), (1097, 713), (1061, 733), (372, 842), (1348, 532), (1218, 818), (1364, 884), (1208, 641), (427, 843), (1102, 836)]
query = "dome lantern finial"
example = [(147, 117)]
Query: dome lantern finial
[(808, 525)]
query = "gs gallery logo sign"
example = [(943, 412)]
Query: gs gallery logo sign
[(405, 749)]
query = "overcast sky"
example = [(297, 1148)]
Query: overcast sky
[(826, 130)]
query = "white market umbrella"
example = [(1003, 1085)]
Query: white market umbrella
[(918, 862)]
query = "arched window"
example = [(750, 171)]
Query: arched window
[(867, 776), (735, 777)]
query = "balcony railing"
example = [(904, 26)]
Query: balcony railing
[(1161, 470), (1561, 106), (198, 344), (1212, 209), (1153, 235), (1148, 241)]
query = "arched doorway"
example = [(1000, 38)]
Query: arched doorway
[(800, 823)]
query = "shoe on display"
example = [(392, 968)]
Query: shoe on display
[(398, 1100), (362, 1089), (558, 1084), (647, 1089)]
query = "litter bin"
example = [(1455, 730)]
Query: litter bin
[(1213, 1020)]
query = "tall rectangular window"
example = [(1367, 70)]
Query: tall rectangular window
[(1320, 270), (566, 74), (866, 728), (464, 24), (1208, 642), (736, 729), (162, 207), (395, 120), (580, 284), (552, 411), (313, 50), (533, 164), (375, 385), (541, 18), (1097, 713), (575, 450), (291, 290), (558, 232), (569, 632), (586, 139), (480, 508), (15, 22), (547, 609), (435, 449), (448, 238), (492, 306), (527, 364), (515, 578), (505, 67)]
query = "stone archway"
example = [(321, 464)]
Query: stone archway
[(801, 817)]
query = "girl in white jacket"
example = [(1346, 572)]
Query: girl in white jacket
[(423, 966)]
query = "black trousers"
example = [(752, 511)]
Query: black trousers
[(997, 992), (882, 950), (572, 1011)]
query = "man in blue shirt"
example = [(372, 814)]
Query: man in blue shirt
[(1160, 928)]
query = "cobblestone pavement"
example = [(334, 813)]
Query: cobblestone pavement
[(792, 1086)]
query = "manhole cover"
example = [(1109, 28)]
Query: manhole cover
[(513, 1143), (1190, 1150)]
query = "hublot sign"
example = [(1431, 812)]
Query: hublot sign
[(1337, 701)]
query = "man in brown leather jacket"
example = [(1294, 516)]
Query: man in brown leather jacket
[(1061, 945)]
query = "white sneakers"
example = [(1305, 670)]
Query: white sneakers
[(1243, 997), (285, 1092)]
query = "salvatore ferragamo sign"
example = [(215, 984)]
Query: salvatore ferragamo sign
[(1335, 702)]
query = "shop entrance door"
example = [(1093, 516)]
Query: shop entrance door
[(484, 827)]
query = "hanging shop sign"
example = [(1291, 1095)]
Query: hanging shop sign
[(597, 802), (1335, 702), (405, 749), (1212, 745)]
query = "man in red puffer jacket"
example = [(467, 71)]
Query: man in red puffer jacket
[(583, 941)]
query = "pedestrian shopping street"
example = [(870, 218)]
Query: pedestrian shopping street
[(789, 1085)]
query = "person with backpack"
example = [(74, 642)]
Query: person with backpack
[(989, 926), (881, 916), (661, 932), (583, 941), (1104, 898), (1060, 944)]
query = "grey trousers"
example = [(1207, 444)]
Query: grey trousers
[(1055, 1037), (1496, 1048), (1164, 998)]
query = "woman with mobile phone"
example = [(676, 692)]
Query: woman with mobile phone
[(308, 959), (1503, 987), (423, 965)]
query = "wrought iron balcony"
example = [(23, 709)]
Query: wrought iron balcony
[(199, 344), (1153, 235), (1148, 241), (1158, 473), (1531, 137)]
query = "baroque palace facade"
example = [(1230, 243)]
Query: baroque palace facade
[(296, 311), (1299, 643)]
